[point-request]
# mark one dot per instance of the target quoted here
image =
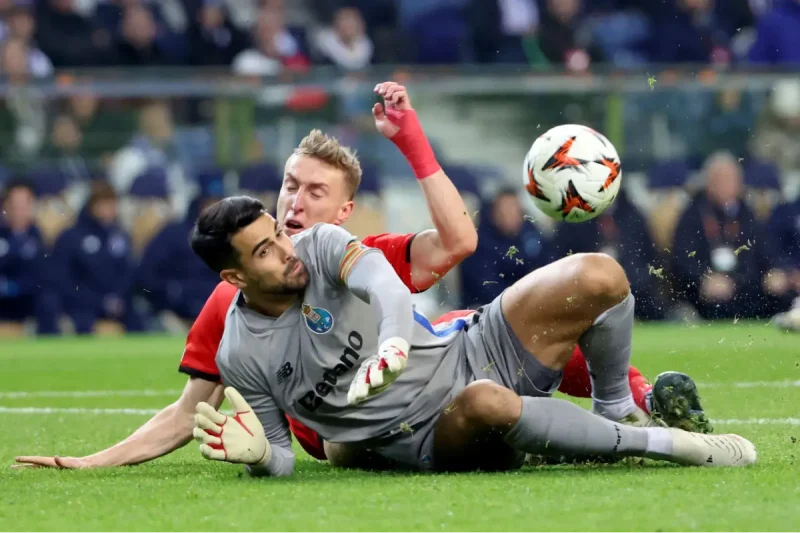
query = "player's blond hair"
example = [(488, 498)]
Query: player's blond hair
[(328, 150)]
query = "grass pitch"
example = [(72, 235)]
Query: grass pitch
[(75, 396)]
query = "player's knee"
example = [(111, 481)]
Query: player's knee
[(485, 404), (601, 279)]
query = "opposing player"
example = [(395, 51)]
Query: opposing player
[(322, 329), (320, 180)]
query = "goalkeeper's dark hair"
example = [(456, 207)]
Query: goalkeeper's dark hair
[(216, 226)]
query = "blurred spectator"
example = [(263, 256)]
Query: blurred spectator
[(65, 150), (16, 62), (213, 40), (621, 232), (436, 30), (153, 147), (173, 278), (345, 44), (69, 39), (499, 28), (296, 13), (777, 37), (6, 6), (723, 259), (95, 269), (560, 40), (103, 130), (380, 23), (735, 15), (137, 42), (784, 228), (169, 20), (275, 48), (690, 32), (779, 127), (508, 249), (22, 25), (729, 123), (26, 105), (621, 31), (21, 256)]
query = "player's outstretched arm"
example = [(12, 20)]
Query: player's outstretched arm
[(433, 252), (372, 278), (170, 429), (242, 438)]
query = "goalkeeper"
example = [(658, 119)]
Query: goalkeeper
[(323, 330)]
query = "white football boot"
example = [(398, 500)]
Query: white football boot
[(697, 449)]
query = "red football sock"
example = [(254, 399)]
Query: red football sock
[(639, 387), (576, 381)]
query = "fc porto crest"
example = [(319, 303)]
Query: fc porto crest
[(318, 320)]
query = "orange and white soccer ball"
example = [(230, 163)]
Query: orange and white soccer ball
[(572, 173)]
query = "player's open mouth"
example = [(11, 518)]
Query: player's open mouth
[(293, 225)]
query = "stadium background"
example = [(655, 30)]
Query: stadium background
[(175, 101)]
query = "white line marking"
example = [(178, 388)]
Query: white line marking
[(760, 421), (89, 393), (73, 411), (751, 384), (83, 411)]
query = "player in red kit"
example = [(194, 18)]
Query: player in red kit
[(320, 180)]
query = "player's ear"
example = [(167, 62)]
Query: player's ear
[(234, 277), (345, 210)]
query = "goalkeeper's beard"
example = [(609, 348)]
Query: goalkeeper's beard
[(293, 283)]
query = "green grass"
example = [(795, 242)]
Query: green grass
[(185, 492)]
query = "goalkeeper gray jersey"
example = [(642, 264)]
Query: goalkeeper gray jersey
[(302, 363)]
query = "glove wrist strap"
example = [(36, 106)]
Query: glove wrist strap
[(265, 459)]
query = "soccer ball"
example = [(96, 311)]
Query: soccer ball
[(572, 173)]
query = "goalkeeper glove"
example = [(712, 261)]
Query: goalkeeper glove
[(236, 439), (379, 371)]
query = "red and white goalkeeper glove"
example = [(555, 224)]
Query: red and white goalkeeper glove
[(379, 371), (235, 439)]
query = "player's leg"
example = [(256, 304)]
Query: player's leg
[(469, 435), (576, 382), (672, 397), (486, 413), (582, 299)]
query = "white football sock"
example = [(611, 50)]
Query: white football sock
[(659, 441), (614, 409)]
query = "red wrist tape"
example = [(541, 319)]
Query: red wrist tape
[(413, 143)]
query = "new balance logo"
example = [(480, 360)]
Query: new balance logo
[(284, 372), (710, 459)]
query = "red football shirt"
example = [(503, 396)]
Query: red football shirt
[(202, 343)]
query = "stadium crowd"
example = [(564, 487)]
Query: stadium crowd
[(96, 232), (264, 36)]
